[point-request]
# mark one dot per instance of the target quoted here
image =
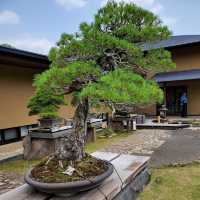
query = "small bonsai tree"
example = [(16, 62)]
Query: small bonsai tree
[(102, 64), (45, 103)]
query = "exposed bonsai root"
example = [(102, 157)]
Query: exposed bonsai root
[(61, 164), (49, 159)]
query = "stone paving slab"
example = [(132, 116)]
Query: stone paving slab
[(105, 155), (162, 126)]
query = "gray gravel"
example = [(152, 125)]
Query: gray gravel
[(182, 147), (141, 142)]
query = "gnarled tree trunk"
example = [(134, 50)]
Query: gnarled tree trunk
[(80, 125), (72, 147)]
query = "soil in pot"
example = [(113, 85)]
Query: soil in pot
[(52, 172)]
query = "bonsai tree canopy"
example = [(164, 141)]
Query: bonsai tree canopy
[(102, 63)]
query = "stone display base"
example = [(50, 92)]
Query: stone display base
[(38, 144), (122, 123), (42, 142), (130, 176)]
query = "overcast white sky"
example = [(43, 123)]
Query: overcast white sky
[(36, 25)]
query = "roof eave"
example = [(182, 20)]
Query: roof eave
[(27, 54)]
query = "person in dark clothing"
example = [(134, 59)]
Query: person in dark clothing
[(183, 103)]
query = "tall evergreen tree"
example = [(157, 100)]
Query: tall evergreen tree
[(103, 63)]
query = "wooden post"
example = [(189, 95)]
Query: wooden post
[(128, 125), (158, 119), (91, 134)]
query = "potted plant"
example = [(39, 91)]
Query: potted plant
[(46, 104), (49, 120), (101, 64)]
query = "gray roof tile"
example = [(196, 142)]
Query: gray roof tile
[(172, 42), (177, 76)]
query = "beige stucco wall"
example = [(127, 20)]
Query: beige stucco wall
[(15, 90), (148, 110), (67, 112), (186, 58), (194, 98)]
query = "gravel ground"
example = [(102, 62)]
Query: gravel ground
[(9, 181), (166, 147), (181, 148), (142, 142)]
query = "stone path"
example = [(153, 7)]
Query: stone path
[(142, 142)]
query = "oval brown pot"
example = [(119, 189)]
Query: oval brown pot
[(69, 188)]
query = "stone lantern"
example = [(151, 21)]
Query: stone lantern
[(163, 112)]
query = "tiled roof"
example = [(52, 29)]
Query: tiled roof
[(23, 53), (174, 41), (177, 76)]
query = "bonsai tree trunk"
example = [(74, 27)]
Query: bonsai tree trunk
[(80, 125), (72, 147)]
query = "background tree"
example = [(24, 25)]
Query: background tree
[(7, 45), (103, 63)]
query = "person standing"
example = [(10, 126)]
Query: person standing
[(183, 103)]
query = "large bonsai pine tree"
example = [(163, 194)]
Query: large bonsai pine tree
[(102, 63)]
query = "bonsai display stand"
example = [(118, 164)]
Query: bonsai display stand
[(93, 125), (119, 123), (122, 123), (128, 179), (42, 142), (91, 134)]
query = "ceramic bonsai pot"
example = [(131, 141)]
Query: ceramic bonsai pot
[(69, 188)]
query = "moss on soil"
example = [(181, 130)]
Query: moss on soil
[(52, 172)]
